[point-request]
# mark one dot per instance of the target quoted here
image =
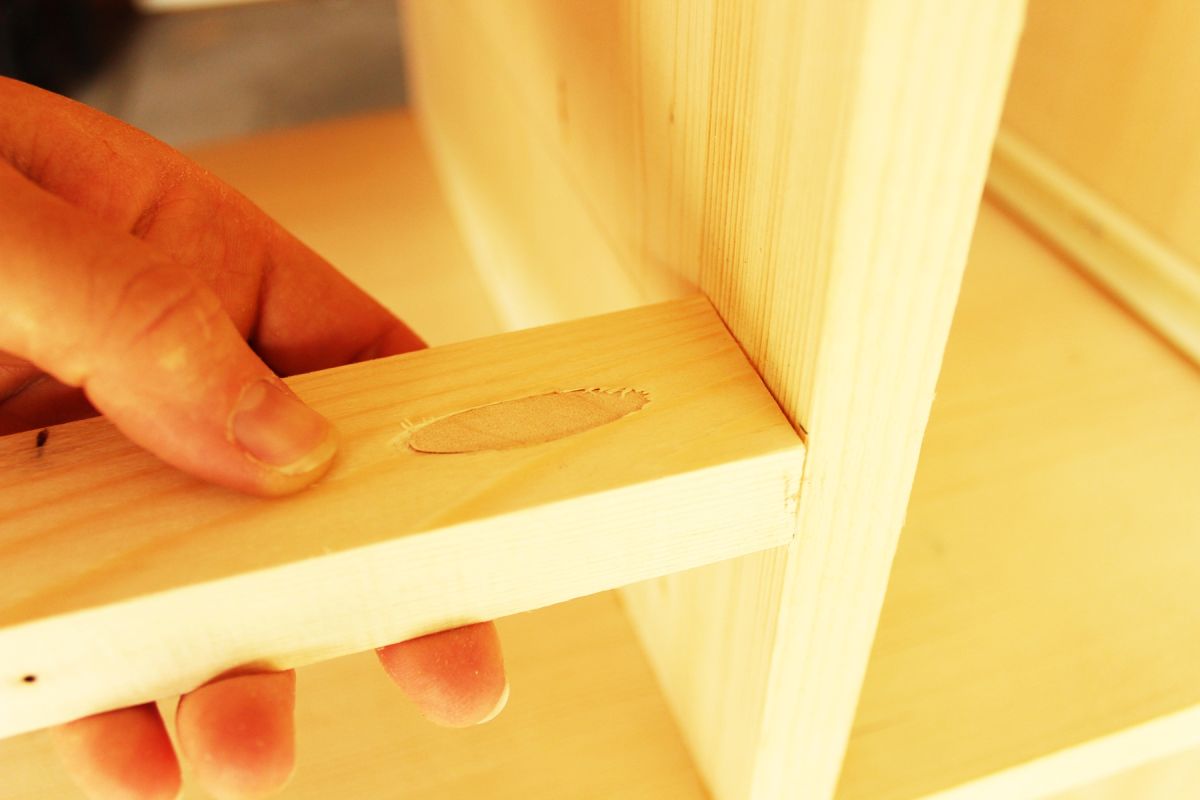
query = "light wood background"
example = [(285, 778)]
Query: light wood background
[(1110, 90), (1040, 626), (1099, 149)]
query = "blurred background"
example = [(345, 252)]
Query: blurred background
[(190, 71)]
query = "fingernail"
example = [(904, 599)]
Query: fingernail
[(500, 704), (280, 431)]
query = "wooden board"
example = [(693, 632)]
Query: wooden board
[(585, 721), (1161, 779), (1143, 272), (130, 581), (1100, 154), (1107, 90), (1040, 626), (815, 169)]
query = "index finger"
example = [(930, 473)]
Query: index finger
[(296, 309)]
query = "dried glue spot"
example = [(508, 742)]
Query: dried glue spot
[(527, 420)]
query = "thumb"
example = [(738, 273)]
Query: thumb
[(151, 346)]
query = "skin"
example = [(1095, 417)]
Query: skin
[(138, 286)]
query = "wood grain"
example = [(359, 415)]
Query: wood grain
[(1107, 90), (1160, 779), (815, 169), (1142, 271), (129, 581), (1100, 153), (1040, 626)]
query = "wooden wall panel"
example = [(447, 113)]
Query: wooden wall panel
[(1110, 90), (1099, 150), (815, 168)]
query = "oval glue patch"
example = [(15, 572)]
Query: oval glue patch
[(526, 421)]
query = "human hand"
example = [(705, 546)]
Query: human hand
[(139, 286)]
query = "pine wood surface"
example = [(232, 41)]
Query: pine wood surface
[(1039, 631), (1169, 778), (1107, 90), (1100, 152), (815, 169), (129, 580), (1142, 271)]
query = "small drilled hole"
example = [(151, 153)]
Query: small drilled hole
[(30, 679)]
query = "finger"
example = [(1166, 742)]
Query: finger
[(151, 346), (300, 312), (238, 733), (455, 678), (312, 317), (122, 754)]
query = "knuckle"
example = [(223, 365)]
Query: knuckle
[(162, 308)]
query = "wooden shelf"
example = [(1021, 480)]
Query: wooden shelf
[(1039, 630), (1040, 627)]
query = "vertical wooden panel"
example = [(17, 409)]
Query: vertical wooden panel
[(1110, 91), (1100, 152), (815, 167)]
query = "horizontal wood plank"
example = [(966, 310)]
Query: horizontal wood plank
[(129, 581)]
